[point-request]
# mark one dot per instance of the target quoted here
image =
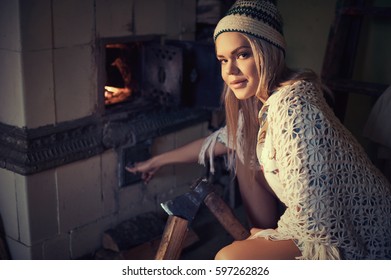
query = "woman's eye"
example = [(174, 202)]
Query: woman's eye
[(223, 61), (242, 55)]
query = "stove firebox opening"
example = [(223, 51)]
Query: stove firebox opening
[(123, 72)]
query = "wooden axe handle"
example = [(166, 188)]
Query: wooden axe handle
[(225, 216), (174, 234)]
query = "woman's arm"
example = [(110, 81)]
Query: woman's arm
[(185, 154)]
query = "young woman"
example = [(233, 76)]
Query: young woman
[(338, 205)]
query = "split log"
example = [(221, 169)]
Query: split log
[(173, 238), (137, 238), (147, 250), (133, 232)]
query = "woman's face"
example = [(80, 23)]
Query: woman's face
[(238, 67)]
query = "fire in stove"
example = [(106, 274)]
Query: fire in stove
[(148, 74), (115, 95), (122, 63)]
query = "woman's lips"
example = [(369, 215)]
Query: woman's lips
[(236, 84)]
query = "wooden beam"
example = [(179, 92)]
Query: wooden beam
[(357, 87)]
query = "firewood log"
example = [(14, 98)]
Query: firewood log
[(147, 250), (133, 232)]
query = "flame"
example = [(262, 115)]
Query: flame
[(115, 95)]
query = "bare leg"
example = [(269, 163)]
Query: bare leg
[(259, 249), (262, 208), (259, 201)]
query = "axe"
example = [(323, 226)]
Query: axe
[(182, 211)]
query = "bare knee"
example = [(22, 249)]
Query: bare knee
[(225, 253), (259, 249)]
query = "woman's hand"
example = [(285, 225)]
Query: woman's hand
[(254, 231), (147, 169)]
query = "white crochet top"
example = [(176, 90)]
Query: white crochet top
[(338, 203)]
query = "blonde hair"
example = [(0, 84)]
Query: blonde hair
[(273, 74)]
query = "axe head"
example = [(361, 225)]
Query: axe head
[(187, 205)]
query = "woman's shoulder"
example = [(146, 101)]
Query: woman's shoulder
[(298, 92), (297, 98)]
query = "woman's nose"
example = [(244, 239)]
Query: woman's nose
[(231, 68)]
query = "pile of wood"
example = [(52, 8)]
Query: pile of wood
[(137, 238)]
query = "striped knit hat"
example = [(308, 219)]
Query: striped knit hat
[(259, 18)]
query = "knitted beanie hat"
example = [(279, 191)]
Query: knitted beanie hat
[(259, 18)]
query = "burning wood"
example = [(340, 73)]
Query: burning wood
[(119, 94), (115, 95)]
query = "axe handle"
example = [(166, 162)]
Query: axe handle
[(225, 216), (171, 243)]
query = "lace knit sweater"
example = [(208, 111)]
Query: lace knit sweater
[(338, 203)]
